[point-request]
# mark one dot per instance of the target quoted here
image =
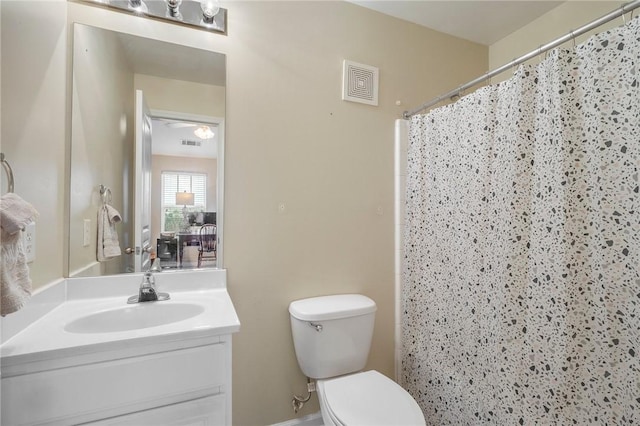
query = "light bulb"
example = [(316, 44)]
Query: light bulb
[(173, 9), (138, 6), (209, 10)]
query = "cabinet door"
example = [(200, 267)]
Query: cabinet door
[(113, 388), (207, 411)]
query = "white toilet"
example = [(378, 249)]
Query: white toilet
[(332, 338)]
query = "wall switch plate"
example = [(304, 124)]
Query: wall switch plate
[(29, 242), (86, 233)]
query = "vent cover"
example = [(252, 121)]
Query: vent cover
[(360, 83), (191, 143)]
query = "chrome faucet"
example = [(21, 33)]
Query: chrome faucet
[(148, 292)]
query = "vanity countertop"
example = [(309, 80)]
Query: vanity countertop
[(51, 339)]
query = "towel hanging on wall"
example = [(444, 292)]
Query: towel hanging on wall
[(108, 245), (15, 283)]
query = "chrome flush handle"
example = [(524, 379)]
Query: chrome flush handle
[(318, 327)]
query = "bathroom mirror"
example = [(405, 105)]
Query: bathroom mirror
[(147, 137)]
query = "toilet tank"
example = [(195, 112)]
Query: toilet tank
[(332, 334)]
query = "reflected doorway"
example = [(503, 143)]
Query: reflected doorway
[(184, 176)]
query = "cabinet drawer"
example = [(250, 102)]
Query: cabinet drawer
[(106, 389), (209, 411)]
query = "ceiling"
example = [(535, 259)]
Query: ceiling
[(480, 21)]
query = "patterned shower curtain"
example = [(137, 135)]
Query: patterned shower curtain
[(521, 282)]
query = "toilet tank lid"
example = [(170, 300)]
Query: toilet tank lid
[(331, 307)]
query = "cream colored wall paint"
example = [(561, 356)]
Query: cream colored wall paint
[(291, 140), (553, 24), (182, 96), (33, 123), (103, 96), (162, 163)]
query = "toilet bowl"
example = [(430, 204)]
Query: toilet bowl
[(367, 398), (332, 337)]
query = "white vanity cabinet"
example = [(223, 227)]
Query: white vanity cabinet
[(177, 373), (187, 382), (196, 377)]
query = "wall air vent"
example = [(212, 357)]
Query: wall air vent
[(359, 83), (191, 143)]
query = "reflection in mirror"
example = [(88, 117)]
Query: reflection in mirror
[(148, 125)]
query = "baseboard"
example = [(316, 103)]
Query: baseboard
[(314, 419)]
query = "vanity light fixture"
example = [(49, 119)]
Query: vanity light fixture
[(202, 14), (204, 132)]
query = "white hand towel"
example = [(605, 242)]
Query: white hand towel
[(108, 245), (15, 283)]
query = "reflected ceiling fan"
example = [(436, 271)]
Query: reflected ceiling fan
[(202, 131)]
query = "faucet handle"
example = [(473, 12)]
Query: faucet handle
[(147, 291)]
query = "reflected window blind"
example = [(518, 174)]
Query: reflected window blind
[(172, 217), (173, 182)]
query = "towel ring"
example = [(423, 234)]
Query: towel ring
[(105, 194), (7, 169)]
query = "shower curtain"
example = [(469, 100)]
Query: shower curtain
[(521, 277)]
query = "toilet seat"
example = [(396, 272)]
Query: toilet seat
[(368, 398)]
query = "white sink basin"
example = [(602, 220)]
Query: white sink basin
[(133, 317)]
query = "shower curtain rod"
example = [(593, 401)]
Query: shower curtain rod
[(628, 7)]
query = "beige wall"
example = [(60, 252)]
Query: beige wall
[(182, 96), (33, 128), (556, 23), (102, 92), (289, 139), (292, 140)]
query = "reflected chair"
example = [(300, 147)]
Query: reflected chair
[(208, 243)]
